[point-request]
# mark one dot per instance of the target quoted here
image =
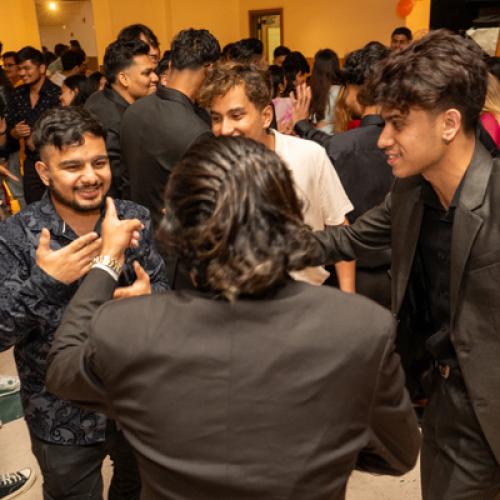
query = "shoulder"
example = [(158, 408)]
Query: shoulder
[(289, 146), (130, 210)]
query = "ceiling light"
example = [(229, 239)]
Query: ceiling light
[(52, 6)]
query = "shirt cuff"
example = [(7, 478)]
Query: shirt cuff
[(302, 127)]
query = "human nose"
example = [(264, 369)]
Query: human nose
[(385, 139), (226, 127), (88, 174)]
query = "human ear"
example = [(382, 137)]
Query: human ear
[(122, 78), (451, 125), (43, 171), (267, 116)]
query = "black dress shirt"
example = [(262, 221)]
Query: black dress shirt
[(21, 109), (156, 131), (434, 248), (109, 107)]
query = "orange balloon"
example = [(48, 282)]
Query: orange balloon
[(404, 8)]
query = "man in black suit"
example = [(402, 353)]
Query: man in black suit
[(360, 163), (232, 391), (441, 220), (131, 75), (159, 129)]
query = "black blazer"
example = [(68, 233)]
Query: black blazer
[(156, 132), (475, 272), (109, 107), (278, 398)]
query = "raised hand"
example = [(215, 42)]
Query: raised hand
[(118, 235), (71, 262), (301, 100), (5, 172), (141, 286), (21, 129)]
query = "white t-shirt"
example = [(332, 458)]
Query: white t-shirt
[(318, 186)]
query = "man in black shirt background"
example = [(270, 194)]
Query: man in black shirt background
[(360, 163), (30, 101)]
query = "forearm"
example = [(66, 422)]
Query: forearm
[(346, 275), (69, 362), (305, 129)]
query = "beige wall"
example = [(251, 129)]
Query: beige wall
[(343, 25), (18, 25)]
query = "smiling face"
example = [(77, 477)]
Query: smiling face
[(139, 78), (30, 73), (233, 114), (413, 142), (77, 176)]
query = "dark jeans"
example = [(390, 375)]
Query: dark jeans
[(456, 460), (74, 472), (32, 184)]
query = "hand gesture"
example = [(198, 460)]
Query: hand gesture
[(141, 286), (71, 262), (22, 129), (5, 172), (301, 100), (118, 235)]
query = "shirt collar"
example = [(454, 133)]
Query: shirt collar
[(430, 198), (372, 120), (171, 94)]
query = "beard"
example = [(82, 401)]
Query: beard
[(73, 203)]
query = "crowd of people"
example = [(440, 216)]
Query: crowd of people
[(243, 281)]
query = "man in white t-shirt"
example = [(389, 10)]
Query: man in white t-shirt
[(239, 99)]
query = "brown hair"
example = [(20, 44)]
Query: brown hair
[(234, 219), (225, 76), (440, 71)]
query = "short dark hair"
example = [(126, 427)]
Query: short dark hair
[(440, 71), (75, 44), (72, 58), (225, 76), (294, 63), (360, 63), (134, 31), (95, 80), (9, 54), (84, 87), (163, 65), (60, 49), (120, 55), (403, 30), (29, 54), (60, 127), (192, 49), (234, 219), (247, 50), (281, 50)]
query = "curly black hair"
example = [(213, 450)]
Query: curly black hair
[(192, 49), (233, 217), (120, 55), (360, 63), (440, 71)]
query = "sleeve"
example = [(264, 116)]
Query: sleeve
[(28, 295), (371, 232), (70, 362), (335, 204), (394, 435), (121, 181), (147, 255), (306, 130)]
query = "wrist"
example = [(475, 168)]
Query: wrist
[(109, 260)]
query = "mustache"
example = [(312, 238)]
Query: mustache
[(88, 187)]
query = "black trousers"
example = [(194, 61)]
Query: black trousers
[(456, 460), (32, 184), (74, 472)]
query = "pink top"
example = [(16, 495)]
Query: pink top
[(491, 125)]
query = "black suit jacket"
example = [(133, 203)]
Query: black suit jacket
[(109, 107), (156, 132), (475, 272), (276, 398)]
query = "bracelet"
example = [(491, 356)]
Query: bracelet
[(107, 262)]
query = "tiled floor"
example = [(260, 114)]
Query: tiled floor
[(15, 454)]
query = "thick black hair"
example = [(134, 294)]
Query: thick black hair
[(403, 30), (60, 127), (29, 54), (438, 72), (73, 57), (493, 66), (294, 63), (120, 55), (192, 49), (134, 31), (9, 53), (84, 87), (281, 50), (277, 78), (60, 49), (246, 51), (360, 63)]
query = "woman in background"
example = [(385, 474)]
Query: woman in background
[(325, 88), (490, 117), (76, 89)]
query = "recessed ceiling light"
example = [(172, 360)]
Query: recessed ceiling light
[(52, 6)]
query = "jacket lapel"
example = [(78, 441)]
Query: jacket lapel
[(407, 210), (467, 223)]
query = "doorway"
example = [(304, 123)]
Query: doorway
[(60, 21), (267, 26)]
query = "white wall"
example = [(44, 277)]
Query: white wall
[(79, 26)]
